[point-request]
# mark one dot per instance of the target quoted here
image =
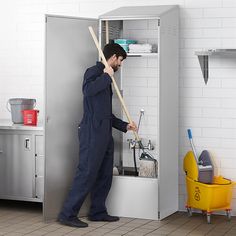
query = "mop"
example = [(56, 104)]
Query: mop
[(145, 155), (148, 164)]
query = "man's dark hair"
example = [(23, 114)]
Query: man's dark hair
[(113, 48)]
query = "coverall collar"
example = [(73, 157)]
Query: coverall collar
[(100, 65)]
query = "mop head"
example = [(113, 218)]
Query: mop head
[(148, 168), (148, 164)]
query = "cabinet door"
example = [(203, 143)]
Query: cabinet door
[(16, 159), (70, 50)]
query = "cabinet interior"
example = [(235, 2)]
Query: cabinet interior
[(138, 81)]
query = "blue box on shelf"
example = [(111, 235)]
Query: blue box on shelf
[(124, 43)]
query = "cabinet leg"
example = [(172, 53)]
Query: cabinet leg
[(189, 210), (208, 217), (228, 214)]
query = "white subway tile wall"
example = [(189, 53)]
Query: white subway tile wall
[(210, 110), (140, 87)]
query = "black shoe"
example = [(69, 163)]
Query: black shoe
[(107, 218), (75, 222)]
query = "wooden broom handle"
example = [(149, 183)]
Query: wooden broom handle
[(113, 80)]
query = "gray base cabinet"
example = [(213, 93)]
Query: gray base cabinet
[(21, 165)]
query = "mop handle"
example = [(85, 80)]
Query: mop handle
[(192, 145), (113, 80)]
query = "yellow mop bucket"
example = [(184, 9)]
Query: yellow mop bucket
[(210, 197), (206, 197)]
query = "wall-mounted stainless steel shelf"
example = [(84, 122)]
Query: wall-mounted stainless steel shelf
[(203, 58)]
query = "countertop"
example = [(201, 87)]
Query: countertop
[(7, 124)]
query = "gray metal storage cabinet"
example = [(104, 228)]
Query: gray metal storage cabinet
[(69, 51), (21, 163)]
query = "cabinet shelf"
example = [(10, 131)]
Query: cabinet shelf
[(151, 54), (203, 58)]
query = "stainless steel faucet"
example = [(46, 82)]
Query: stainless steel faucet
[(149, 145), (133, 143)]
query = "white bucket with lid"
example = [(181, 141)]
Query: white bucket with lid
[(17, 106)]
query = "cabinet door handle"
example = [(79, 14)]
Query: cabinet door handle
[(27, 143)]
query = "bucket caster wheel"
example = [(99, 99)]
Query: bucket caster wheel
[(189, 210), (228, 214), (208, 217)]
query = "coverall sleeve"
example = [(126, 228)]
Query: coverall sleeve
[(119, 124), (94, 84)]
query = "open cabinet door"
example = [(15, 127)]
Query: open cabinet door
[(70, 50)]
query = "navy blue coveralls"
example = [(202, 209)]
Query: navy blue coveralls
[(95, 169)]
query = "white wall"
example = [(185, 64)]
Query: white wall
[(209, 110), (140, 88)]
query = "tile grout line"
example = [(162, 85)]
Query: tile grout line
[(171, 231), (137, 228), (125, 224), (111, 229), (228, 230), (201, 224), (12, 231)]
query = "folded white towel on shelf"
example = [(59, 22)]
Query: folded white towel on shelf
[(135, 48)]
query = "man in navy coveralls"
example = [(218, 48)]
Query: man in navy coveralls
[(95, 169)]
